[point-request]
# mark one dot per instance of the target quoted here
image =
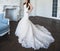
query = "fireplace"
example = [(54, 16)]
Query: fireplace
[(12, 12)]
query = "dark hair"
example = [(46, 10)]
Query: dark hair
[(27, 4)]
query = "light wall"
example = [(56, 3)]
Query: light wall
[(58, 13), (9, 2), (42, 8)]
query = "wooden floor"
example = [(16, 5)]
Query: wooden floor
[(10, 42)]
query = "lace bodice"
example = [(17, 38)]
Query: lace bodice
[(25, 11)]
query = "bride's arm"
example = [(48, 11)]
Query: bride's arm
[(31, 8)]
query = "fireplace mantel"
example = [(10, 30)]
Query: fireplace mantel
[(12, 12)]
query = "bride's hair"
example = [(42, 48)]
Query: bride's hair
[(27, 4)]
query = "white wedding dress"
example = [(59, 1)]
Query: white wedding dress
[(32, 36)]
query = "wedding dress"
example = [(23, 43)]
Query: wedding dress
[(32, 36)]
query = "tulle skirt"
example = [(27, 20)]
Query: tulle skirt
[(33, 36)]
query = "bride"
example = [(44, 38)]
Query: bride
[(30, 35)]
